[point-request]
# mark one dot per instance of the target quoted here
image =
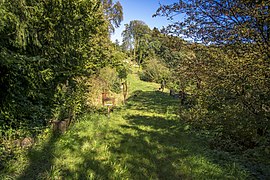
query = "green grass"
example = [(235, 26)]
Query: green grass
[(144, 139)]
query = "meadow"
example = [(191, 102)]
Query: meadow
[(143, 139)]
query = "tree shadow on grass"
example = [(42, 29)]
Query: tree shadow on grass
[(158, 102), (147, 147), (163, 146), (161, 149), (40, 160), (153, 101), (42, 164), (146, 160), (88, 165)]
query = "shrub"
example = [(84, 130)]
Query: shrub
[(154, 71)]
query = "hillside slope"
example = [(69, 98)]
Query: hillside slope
[(142, 140)]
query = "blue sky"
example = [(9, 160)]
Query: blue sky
[(141, 10)]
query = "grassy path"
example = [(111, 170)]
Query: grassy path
[(142, 140)]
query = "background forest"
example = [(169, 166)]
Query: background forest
[(56, 57)]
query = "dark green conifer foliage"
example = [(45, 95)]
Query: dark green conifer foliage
[(46, 47)]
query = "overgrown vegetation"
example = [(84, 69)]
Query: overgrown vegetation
[(57, 59), (229, 76), (48, 50), (141, 140), (154, 71), (222, 81)]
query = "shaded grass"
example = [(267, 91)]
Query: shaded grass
[(143, 140), (153, 101), (40, 160)]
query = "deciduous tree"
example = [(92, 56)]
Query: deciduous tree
[(232, 65), (134, 37)]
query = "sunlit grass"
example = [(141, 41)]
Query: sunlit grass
[(142, 140)]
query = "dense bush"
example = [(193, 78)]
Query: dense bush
[(107, 80), (110, 78), (42, 56), (48, 50), (227, 71), (230, 98), (154, 71)]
